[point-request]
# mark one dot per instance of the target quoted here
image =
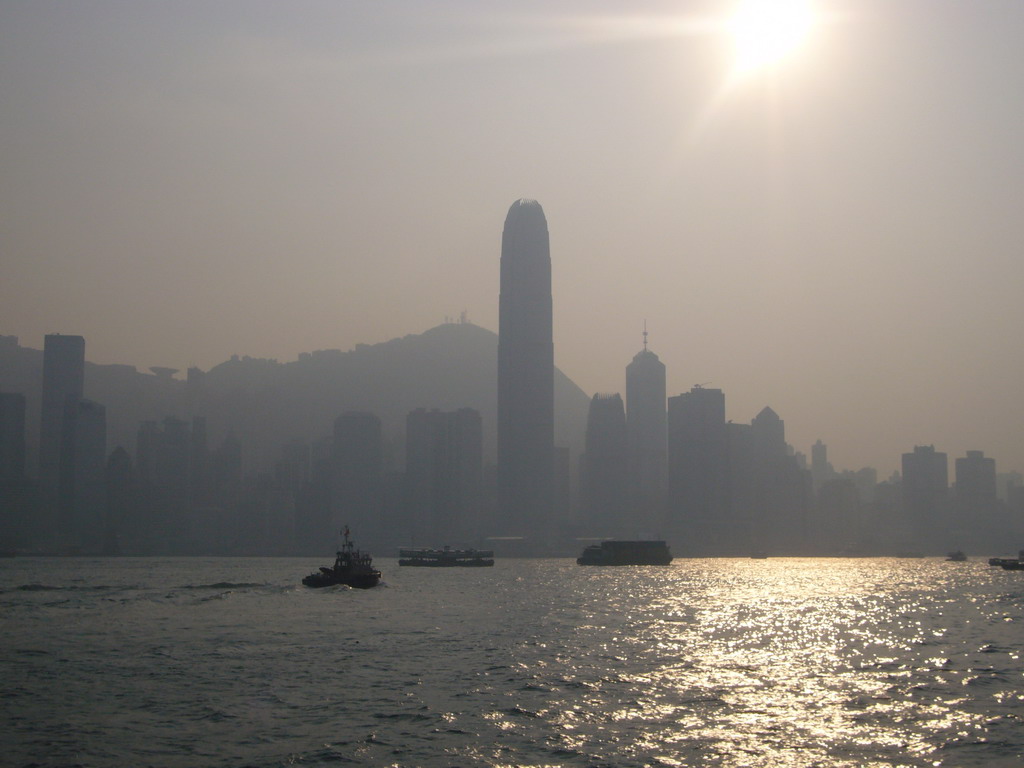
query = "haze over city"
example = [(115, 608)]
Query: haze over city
[(835, 234)]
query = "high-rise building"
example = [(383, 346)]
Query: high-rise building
[(526, 409), (976, 477), (358, 467), (444, 470), (647, 433), (978, 521), (925, 495), (12, 438), (697, 467), (15, 517), (821, 469), (782, 489), (63, 380), (82, 485), (605, 469)]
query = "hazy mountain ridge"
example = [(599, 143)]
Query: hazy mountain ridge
[(267, 404)]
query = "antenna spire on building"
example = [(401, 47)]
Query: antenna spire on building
[(645, 335)]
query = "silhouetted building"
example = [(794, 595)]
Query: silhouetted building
[(358, 467), (697, 463), (525, 375), (444, 475), (63, 380), (976, 477), (839, 528), (164, 457), (12, 438), (977, 520), (782, 489), (122, 524), (18, 524), (605, 477), (821, 470), (925, 497), (82, 485), (465, 461), (647, 434)]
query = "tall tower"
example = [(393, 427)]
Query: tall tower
[(63, 380), (526, 369), (646, 426)]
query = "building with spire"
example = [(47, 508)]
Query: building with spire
[(526, 369), (647, 437)]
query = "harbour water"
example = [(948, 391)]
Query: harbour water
[(723, 662)]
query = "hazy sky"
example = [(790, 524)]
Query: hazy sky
[(838, 237)]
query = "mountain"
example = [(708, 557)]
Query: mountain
[(267, 404)]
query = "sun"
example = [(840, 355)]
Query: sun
[(766, 31)]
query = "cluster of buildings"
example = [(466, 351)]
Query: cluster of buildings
[(653, 466)]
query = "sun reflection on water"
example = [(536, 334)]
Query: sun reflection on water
[(786, 662)]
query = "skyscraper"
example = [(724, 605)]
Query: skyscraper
[(63, 380), (526, 368), (646, 426)]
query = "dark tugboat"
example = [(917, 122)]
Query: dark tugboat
[(352, 567)]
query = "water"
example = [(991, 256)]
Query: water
[(780, 662)]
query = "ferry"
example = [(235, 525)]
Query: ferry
[(614, 552), (446, 558), (352, 567)]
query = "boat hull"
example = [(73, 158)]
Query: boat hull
[(357, 581), (626, 553), (419, 563)]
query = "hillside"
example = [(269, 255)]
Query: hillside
[(267, 403)]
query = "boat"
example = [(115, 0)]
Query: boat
[(615, 552), (1012, 565), (352, 567), (446, 558), (956, 557)]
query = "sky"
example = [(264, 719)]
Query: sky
[(836, 235)]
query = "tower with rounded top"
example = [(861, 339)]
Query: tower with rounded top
[(526, 368)]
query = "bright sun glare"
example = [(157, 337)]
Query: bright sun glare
[(765, 31)]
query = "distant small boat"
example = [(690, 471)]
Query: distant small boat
[(446, 558), (352, 567), (956, 557), (614, 552)]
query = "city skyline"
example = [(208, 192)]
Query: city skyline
[(835, 238)]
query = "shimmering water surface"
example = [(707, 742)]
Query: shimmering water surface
[(779, 662)]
